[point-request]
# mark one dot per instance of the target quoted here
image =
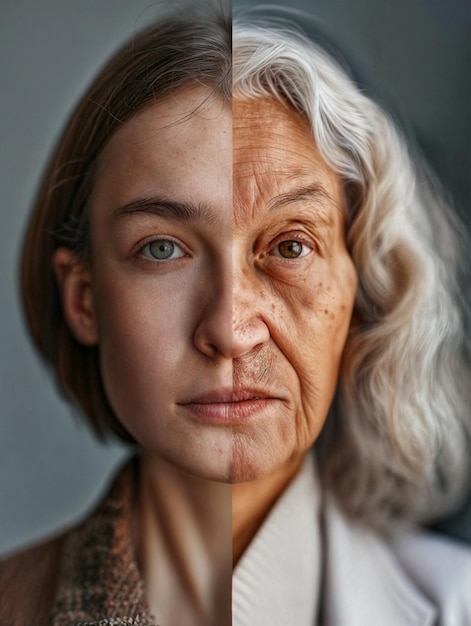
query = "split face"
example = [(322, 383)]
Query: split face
[(219, 288)]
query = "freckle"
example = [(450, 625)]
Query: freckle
[(326, 312)]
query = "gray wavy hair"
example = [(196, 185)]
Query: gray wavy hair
[(396, 443)]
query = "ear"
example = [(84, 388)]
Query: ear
[(75, 286)]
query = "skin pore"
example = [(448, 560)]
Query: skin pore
[(220, 292)]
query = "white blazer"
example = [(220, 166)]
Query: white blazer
[(298, 567), (413, 579)]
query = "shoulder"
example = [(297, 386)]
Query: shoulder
[(35, 581), (406, 577), (28, 582), (441, 567)]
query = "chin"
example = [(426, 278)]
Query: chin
[(215, 466), (246, 473)]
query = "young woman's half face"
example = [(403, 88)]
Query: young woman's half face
[(221, 289)]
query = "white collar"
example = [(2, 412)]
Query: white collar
[(277, 580)]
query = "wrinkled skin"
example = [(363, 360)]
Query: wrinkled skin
[(298, 310)]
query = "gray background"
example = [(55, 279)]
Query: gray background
[(413, 55)]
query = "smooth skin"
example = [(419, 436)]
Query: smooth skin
[(220, 292)]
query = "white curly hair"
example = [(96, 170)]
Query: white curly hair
[(396, 444)]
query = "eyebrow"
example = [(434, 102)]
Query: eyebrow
[(315, 192), (168, 209)]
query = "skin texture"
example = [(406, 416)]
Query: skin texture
[(156, 320), (252, 304), (297, 310)]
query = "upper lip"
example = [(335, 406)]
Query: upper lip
[(231, 394)]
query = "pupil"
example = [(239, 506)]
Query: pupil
[(290, 249), (162, 249)]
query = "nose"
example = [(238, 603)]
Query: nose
[(249, 328), (212, 336), (231, 325)]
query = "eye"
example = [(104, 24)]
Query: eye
[(291, 249), (162, 250)]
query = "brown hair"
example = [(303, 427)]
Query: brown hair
[(177, 51)]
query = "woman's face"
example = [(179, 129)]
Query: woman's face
[(220, 283)]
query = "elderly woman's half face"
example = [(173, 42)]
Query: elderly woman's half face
[(220, 288)]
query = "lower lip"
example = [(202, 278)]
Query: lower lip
[(228, 413)]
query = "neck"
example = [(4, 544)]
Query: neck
[(184, 532), (251, 503), (192, 532)]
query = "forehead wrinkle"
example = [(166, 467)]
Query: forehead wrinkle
[(311, 202), (276, 163), (257, 182), (251, 187), (315, 193)]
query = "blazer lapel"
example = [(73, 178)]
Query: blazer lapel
[(364, 583), (99, 580)]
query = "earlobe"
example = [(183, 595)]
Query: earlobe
[(75, 286)]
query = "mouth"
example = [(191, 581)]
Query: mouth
[(230, 406)]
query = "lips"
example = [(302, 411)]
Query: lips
[(230, 406), (231, 395)]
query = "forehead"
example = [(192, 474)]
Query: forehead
[(195, 150), (274, 153), (180, 149)]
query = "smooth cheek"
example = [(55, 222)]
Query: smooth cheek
[(141, 330), (147, 366)]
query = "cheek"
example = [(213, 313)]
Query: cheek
[(143, 334), (318, 312), (312, 328)]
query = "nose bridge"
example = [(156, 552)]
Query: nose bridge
[(213, 334), (249, 329), (220, 295), (242, 291), (230, 324)]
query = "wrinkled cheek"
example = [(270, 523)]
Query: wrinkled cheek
[(317, 363)]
